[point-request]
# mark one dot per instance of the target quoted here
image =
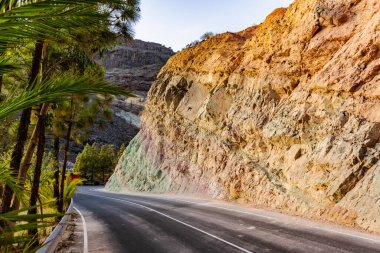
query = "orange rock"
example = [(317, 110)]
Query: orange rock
[(284, 115)]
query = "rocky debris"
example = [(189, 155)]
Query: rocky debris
[(72, 239), (284, 115)]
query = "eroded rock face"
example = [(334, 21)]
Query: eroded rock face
[(135, 64), (284, 115)]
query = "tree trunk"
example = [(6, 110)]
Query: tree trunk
[(29, 152), (22, 132), (22, 135), (56, 172), (63, 173), (36, 178), (41, 212), (66, 152)]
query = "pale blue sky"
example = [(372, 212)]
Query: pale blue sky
[(176, 23)]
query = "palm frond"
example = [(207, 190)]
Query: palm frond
[(47, 20), (71, 186), (7, 66), (55, 90), (17, 233), (6, 178)]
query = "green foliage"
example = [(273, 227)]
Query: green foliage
[(207, 35), (55, 90), (70, 188), (84, 113), (120, 152), (6, 177), (24, 20), (75, 57), (8, 128), (94, 162), (34, 19), (15, 238), (73, 31), (6, 66), (204, 37), (46, 180)]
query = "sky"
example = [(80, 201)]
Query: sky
[(176, 23)]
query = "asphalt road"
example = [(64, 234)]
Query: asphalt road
[(154, 223)]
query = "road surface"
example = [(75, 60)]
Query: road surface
[(160, 223)]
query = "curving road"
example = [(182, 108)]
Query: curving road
[(155, 223)]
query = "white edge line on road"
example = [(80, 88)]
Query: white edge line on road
[(85, 238), (351, 235), (210, 205), (271, 218), (268, 217), (174, 219)]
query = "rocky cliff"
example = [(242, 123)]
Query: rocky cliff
[(284, 115), (133, 65)]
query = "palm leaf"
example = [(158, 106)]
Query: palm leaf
[(71, 186), (55, 90), (6, 66), (17, 233), (47, 20), (6, 178)]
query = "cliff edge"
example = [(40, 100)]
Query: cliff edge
[(284, 115)]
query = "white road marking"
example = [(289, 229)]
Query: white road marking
[(85, 238), (268, 217), (174, 219), (271, 218), (356, 236), (219, 207)]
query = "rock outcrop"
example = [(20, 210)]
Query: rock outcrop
[(133, 65), (283, 115)]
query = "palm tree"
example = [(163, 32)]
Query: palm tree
[(32, 20), (30, 150), (21, 21), (37, 173), (66, 151), (56, 170), (23, 127), (14, 238)]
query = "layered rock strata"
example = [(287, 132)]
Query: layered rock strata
[(283, 115)]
